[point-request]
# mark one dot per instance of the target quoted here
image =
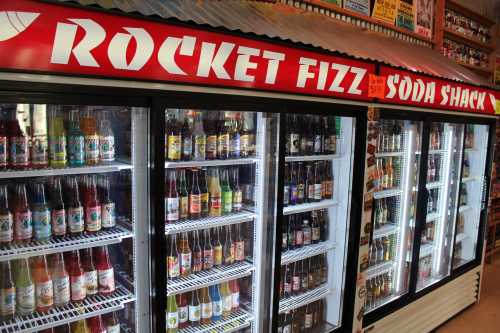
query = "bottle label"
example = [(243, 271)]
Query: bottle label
[(91, 284), (194, 203), (204, 201), (57, 148), (293, 193), (19, 151), (300, 191), (308, 322), (200, 143), (237, 200), (212, 146), (333, 144), (227, 303), (108, 216), (172, 209), (316, 233), (235, 146), (106, 280), (113, 329), (44, 294), (187, 146), (172, 319), (245, 144), (284, 240), (183, 314), (287, 287), (26, 299), (23, 225), (318, 191), (62, 292), (307, 236), (194, 313), (76, 148), (92, 148), (295, 283), (6, 228), (218, 255), (286, 195), (59, 222), (78, 291), (3, 151), (239, 251), (299, 237), (185, 263), (223, 143), (174, 147), (173, 267), (197, 261), (215, 206), (41, 224), (39, 151), (227, 202), (75, 219), (217, 308), (328, 188), (208, 259), (235, 300), (318, 139), (206, 310), (7, 301), (184, 207), (310, 192), (107, 148), (294, 143), (93, 218)]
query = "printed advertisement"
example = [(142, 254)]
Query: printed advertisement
[(360, 6), (406, 15), (425, 9), (335, 2), (385, 10)]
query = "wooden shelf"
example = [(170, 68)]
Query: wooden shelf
[(453, 5), (476, 68), (469, 41)]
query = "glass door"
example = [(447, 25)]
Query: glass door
[(471, 194), (442, 192), (394, 210), (315, 221)]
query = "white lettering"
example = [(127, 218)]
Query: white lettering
[(455, 96), (166, 54), (418, 90), (272, 65), (391, 80), (464, 99), (444, 94), (304, 73), (117, 50), (323, 73), (339, 77), (472, 99), (360, 74), (430, 92), (215, 61), (480, 100), (243, 63), (405, 88)]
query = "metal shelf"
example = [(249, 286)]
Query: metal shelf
[(307, 158), (433, 151), (209, 278), (210, 163), (90, 307), (385, 230), (237, 320), (387, 193), (208, 222), (295, 302), (111, 167), (307, 207), (433, 185), (306, 252), (378, 269), (389, 154), (68, 243)]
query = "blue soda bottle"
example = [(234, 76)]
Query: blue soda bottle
[(216, 303)]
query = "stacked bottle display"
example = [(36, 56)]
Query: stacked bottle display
[(198, 136), (379, 288), (303, 319), (303, 275), (304, 229), (466, 26), (108, 323), (37, 136), (463, 53), (311, 135)]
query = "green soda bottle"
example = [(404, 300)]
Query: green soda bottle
[(57, 139), (25, 289), (227, 193), (172, 315)]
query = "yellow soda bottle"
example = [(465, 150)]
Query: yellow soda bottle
[(57, 139), (88, 124)]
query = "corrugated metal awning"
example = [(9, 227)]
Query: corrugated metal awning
[(286, 23)]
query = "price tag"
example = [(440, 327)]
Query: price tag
[(376, 86)]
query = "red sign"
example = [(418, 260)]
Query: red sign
[(376, 86), (44, 37), (423, 91)]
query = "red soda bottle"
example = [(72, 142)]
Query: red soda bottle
[(96, 325), (18, 139), (91, 284), (60, 278), (44, 291), (23, 224), (92, 206), (6, 221), (77, 278), (105, 272)]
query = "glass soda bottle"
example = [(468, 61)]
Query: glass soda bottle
[(60, 279), (185, 255), (108, 212), (76, 141), (194, 309), (199, 139), (227, 302), (173, 270), (80, 326), (58, 214), (39, 142), (105, 272), (44, 291), (6, 221), (206, 306), (111, 322), (88, 125), (18, 138), (197, 253), (57, 139), (234, 286), (216, 303), (92, 206), (77, 278), (41, 215), (23, 225), (7, 292), (75, 209), (183, 196), (195, 197), (90, 271), (215, 193), (172, 315), (171, 199), (183, 310), (96, 325), (106, 140), (4, 147), (227, 193), (25, 289)]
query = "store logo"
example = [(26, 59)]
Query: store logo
[(13, 23)]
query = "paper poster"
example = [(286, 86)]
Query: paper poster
[(360, 6), (425, 9), (406, 15), (385, 10), (497, 70), (335, 2)]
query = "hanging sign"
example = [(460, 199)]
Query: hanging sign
[(43, 37), (376, 86), (360, 6), (423, 91), (385, 10), (425, 9), (406, 15)]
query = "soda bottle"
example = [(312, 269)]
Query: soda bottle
[(171, 199), (90, 271), (25, 289), (200, 139), (96, 325), (77, 278), (187, 139), (111, 323), (19, 137), (216, 303), (58, 213), (62, 329), (204, 194), (23, 226), (6, 221), (183, 310), (183, 196), (43, 284), (237, 192), (217, 248), (105, 272), (234, 286), (197, 253), (4, 147), (195, 196), (194, 309), (39, 144), (318, 184), (228, 250), (227, 193), (206, 306), (235, 139), (185, 255), (328, 181), (239, 245), (60, 279), (80, 326), (223, 137), (106, 140), (286, 185), (92, 207), (211, 124), (247, 138), (215, 193), (76, 141), (41, 215), (208, 251), (173, 270), (75, 209), (227, 301), (7, 292), (57, 139), (89, 128), (173, 136), (108, 214)]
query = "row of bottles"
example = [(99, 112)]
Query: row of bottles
[(390, 136), (388, 170), (218, 247), (58, 207), (464, 53), (31, 137), (382, 250), (107, 323), (304, 275), (383, 212), (35, 285), (436, 136), (211, 192), (428, 233), (311, 134), (432, 201), (307, 182), (302, 319), (467, 26), (304, 229), (202, 306), (425, 268), (434, 168), (199, 136), (378, 289)]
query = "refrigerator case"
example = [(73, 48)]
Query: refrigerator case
[(73, 192)]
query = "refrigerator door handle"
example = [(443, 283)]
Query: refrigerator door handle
[(486, 181)]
